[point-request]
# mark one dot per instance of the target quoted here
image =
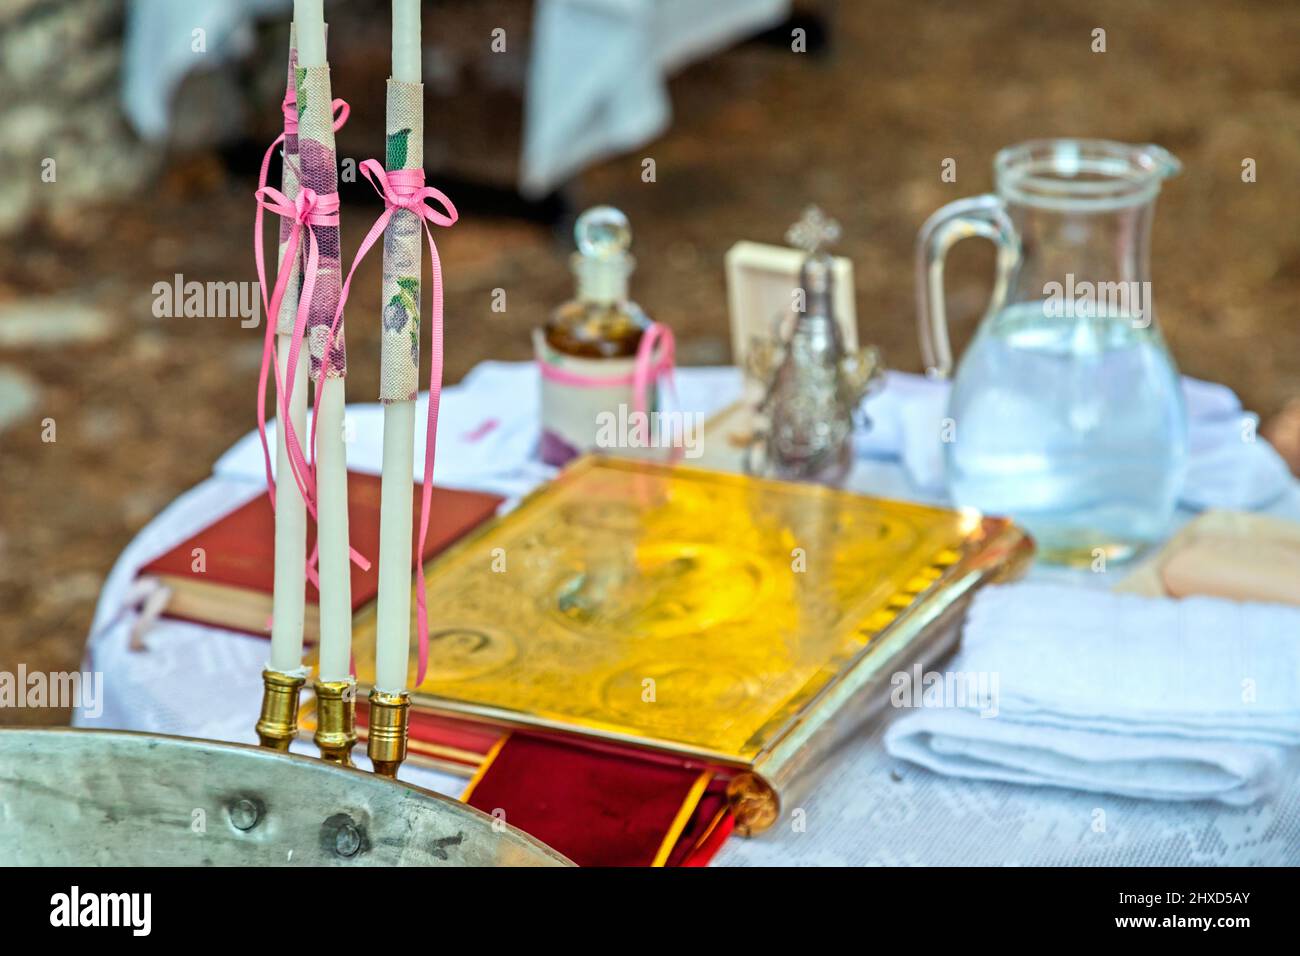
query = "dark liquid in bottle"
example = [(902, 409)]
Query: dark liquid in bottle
[(596, 330)]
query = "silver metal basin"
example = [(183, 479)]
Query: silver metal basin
[(107, 797)]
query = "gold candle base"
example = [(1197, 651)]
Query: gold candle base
[(336, 720), (386, 730), (278, 724)]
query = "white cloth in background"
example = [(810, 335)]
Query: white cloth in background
[(1116, 693), (158, 50), (598, 69), (868, 808), (1228, 465)]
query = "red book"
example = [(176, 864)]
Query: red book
[(223, 575)]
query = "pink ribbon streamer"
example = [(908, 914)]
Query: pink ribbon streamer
[(647, 369), (405, 189), (307, 211), (290, 110)]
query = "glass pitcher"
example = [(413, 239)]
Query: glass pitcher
[(1066, 410)]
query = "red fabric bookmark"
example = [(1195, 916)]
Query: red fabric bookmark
[(604, 807)]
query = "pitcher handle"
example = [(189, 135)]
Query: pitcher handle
[(984, 216)]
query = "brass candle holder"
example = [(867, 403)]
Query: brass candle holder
[(278, 723), (387, 728), (336, 720)]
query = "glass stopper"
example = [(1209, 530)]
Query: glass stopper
[(603, 232)]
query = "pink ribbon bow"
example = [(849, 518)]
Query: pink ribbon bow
[(305, 212), (405, 189)]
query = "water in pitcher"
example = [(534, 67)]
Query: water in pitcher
[(1073, 425)]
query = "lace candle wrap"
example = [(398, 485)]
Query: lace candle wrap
[(319, 171), (289, 186), (399, 362)]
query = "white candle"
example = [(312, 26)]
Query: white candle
[(332, 535), (289, 597), (309, 24), (406, 41), (331, 459), (393, 615)]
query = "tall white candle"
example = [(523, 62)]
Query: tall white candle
[(331, 459), (288, 595), (393, 615)]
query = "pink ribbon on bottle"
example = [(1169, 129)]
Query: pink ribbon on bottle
[(647, 368), (306, 211), (405, 189)]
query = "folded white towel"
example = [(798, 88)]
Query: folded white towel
[(1117, 693), (1228, 465)]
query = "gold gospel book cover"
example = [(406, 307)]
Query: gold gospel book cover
[(737, 621)]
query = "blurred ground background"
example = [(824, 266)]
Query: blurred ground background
[(143, 406)]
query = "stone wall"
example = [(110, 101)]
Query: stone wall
[(63, 139)]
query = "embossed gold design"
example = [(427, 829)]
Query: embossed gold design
[(464, 653), (693, 611)]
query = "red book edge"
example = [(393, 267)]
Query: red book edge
[(237, 551)]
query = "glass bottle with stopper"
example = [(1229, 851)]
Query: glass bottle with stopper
[(813, 384), (588, 349)]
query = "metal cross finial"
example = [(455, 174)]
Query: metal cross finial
[(813, 230)]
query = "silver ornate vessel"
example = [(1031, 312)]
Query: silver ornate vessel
[(814, 385)]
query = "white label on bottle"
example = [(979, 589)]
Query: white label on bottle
[(573, 414)]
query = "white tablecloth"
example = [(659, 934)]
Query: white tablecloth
[(868, 809)]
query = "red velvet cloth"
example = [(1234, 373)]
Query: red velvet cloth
[(601, 806)]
